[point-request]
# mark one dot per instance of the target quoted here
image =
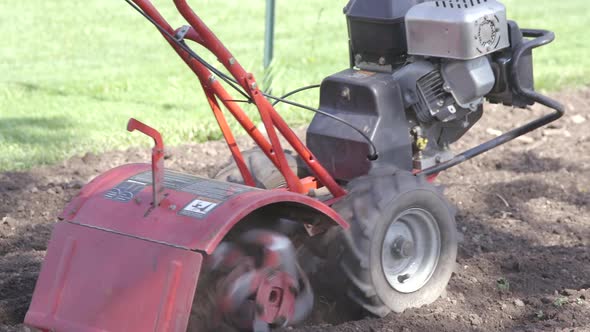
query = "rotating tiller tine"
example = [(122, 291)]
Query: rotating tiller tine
[(282, 293), (278, 253), (226, 257)]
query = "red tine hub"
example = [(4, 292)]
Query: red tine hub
[(261, 291)]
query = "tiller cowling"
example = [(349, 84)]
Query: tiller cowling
[(131, 247)]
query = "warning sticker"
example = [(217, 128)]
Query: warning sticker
[(172, 180), (213, 189), (198, 208), (208, 194), (125, 191)]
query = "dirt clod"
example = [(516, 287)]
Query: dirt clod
[(475, 320)]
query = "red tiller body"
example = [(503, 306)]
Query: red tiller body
[(117, 263), (167, 223), (94, 280)]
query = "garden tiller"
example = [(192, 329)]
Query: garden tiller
[(143, 248)]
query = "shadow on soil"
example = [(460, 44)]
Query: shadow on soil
[(517, 268), (527, 240), (531, 162)]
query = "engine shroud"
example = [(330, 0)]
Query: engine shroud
[(457, 29), (377, 32), (373, 103)]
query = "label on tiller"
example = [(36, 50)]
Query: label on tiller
[(125, 191), (209, 194), (198, 208)]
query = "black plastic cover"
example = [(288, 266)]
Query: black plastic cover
[(373, 103), (502, 92), (376, 29)]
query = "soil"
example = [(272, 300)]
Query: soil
[(524, 215)]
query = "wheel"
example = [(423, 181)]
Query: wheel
[(265, 174), (401, 248)]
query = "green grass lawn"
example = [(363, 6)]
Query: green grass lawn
[(73, 72)]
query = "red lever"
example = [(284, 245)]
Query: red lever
[(157, 158), (134, 124)]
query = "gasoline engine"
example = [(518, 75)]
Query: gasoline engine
[(419, 74)]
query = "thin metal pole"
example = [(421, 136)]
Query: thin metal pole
[(270, 32)]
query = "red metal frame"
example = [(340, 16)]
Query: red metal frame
[(215, 92)]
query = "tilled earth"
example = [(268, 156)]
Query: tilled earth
[(524, 212)]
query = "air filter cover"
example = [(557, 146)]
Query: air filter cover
[(456, 29)]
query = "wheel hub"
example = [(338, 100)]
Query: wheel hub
[(410, 250), (402, 248)]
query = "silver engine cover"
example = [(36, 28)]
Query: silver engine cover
[(456, 29)]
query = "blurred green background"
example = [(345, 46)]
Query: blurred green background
[(73, 72)]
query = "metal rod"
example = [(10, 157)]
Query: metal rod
[(246, 80), (269, 33)]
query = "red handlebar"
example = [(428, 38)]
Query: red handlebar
[(272, 121)]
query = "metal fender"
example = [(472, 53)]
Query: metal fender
[(93, 280), (195, 214), (118, 262)]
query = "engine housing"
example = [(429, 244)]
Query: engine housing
[(373, 103), (420, 72)]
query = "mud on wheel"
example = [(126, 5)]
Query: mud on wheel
[(401, 248)]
